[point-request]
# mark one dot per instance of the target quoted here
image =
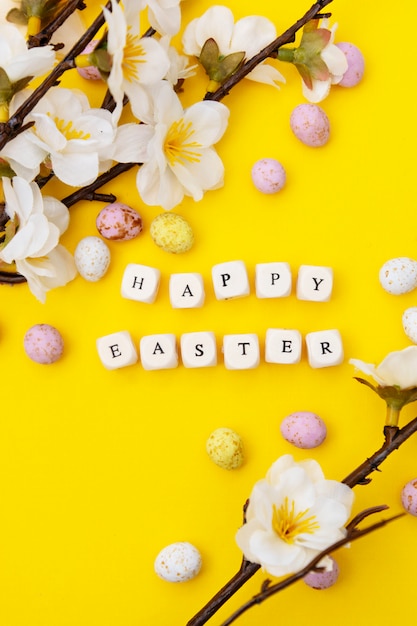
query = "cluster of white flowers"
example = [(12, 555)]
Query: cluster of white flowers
[(76, 143)]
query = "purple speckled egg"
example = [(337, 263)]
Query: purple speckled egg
[(43, 344), (90, 72), (356, 64), (303, 429), (310, 125), (268, 175), (323, 579), (409, 497), (119, 222)]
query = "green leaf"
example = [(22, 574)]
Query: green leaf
[(102, 60), (228, 66), (21, 84), (16, 16), (209, 57), (6, 89)]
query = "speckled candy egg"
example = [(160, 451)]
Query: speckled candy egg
[(268, 175), (178, 562), (90, 72), (356, 64), (172, 233), (303, 429), (409, 320), (409, 497), (310, 124), (92, 258), (225, 448), (119, 222), (399, 275), (323, 579), (43, 344)]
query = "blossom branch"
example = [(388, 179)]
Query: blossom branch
[(44, 36), (353, 533), (269, 51), (394, 437), (88, 192)]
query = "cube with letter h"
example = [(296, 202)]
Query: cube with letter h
[(140, 283)]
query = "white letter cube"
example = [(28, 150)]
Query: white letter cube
[(273, 280), (324, 348), (158, 352), (116, 350), (199, 349), (186, 291), (314, 283), (283, 346), (140, 283), (230, 280), (241, 352)]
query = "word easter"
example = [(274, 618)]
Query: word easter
[(240, 351), (230, 280)]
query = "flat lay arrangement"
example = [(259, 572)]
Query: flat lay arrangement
[(208, 327)]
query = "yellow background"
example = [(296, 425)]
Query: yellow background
[(101, 469)]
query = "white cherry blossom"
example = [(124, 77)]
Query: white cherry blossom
[(249, 35), (294, 513), (19, 61), (397, 369), (180, 158), (35, 247), (164, 15)]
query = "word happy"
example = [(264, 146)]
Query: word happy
[(240, 351)]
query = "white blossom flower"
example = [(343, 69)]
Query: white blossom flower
[(293, 515), (179, 156), (398, 369), (137, 62), (163, 15), (19, 61), (179, 68), (249, 35), (35, 248)]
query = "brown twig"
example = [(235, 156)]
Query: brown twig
[(45, 35)]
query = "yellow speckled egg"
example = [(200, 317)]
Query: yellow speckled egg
[(172, 233), (225, 448)]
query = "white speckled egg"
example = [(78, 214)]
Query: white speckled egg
[(225, 448), (303, 429), (172, 233), (92, 258), (310, 124), (323, 579), (178, 562), (409, 497), (268, 175), (356, 64), (43, 344), (119, 222), (399, 275), (409, 320)]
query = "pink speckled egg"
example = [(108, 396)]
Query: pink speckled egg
[(356, 64), (323, 579), (178, 562), (310, 124), (268, 175), (90, 72), (43, 344), (409, 497), (303, 429), (119, 222)]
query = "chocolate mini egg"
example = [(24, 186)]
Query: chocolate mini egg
[(225, 448), (324, 578), (409, 497), (310, 124), (409, 320), (43, 344), (268, 175), (356, 64), (172, 233), (119, 222), (178, 562), (399, 275), (92, 258), (303, 429)]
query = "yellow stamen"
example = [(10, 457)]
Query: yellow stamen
[(4, 111), (34, 25), (288, 524), (66, 128), (133, 54), (178, 147), (82, 60)]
